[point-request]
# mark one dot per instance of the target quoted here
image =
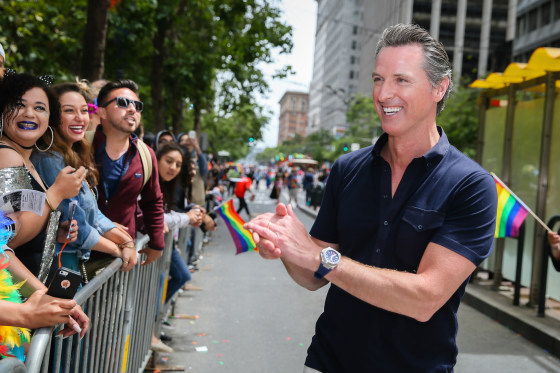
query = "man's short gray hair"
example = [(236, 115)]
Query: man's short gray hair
[(436, 62)]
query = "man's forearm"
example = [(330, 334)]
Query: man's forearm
[(303, 277)]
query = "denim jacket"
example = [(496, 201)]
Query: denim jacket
[(91, 222)]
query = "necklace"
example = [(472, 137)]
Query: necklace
[(18, 144), (91, 189)]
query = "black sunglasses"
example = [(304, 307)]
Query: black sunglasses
[(123, 102)]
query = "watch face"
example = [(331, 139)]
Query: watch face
[(331, 256)]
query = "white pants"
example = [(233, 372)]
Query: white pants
[(306, 369)]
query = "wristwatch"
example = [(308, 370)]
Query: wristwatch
[(329, 260)]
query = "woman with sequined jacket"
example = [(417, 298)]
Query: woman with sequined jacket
[(27, 110), (70, 148)]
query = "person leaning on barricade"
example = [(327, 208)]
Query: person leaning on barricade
[(127, 168), (27, 110), (39, 309), (183, 203), (170, 158), (72, 149)]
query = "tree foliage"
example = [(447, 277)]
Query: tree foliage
[(191, 58), (459, 119), (40, 38)]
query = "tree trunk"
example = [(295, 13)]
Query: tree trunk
[(93, 65), (177, 115), (157, 75), (197, 116)]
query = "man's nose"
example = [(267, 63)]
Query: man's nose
[(385, 91)]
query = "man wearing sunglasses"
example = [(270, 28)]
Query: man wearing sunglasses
[(117, 154)]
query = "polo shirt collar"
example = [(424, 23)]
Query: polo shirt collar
[(432, 156)]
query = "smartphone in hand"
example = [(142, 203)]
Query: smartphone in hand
[(65, 283), (71, 210)]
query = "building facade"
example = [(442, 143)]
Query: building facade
[(336, 68), (538, 25), (477, 34), (293, 115)]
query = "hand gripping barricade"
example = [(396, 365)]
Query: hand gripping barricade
[(122, 309)]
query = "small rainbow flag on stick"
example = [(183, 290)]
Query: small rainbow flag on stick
[(511, 211), (242, 237)]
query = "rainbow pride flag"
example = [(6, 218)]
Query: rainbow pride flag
[(242, 237), (511, 211)]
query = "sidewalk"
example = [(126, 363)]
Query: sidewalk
[(498, 305)]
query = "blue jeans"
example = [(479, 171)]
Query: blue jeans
[(178, 272)]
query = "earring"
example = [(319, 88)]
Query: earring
[(48, 147)]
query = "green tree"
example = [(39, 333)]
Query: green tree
[(232, 132), (459, 119), (364, 123), (201, 55), (40, 37)]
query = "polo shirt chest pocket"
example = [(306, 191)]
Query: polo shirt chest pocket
[(414, 233)]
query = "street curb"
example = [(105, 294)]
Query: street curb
[(307, 210), (542, 331)]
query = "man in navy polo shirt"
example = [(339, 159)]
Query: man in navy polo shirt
[(402, 226)]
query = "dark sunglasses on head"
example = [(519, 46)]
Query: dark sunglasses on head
[(124, 102)]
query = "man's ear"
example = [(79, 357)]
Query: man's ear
[(441, 89), (102, 112)]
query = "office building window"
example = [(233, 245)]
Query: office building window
[(521, 26), (352, 60), (354, 44), (351, 74), (545, 14), (355, 30), (532, 20)]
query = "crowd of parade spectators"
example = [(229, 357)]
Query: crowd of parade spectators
[(80, 148)]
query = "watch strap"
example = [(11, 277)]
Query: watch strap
[(321, 272)]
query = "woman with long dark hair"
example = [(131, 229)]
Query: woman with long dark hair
[(28, 109), (170, 159), (70, 148)]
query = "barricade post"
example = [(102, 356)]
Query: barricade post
[(121, 309)]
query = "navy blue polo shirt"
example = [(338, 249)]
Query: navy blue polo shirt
[(444, 197)]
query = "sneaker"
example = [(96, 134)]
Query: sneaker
[(165, 338), (161, 347)]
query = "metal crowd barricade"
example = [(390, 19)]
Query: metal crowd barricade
[(163, 308), (166, 309), (122, 310)]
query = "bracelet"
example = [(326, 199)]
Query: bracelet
[(49, 203), (9, 228), (125, 244)]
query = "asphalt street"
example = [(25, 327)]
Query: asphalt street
[(251, 317)]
